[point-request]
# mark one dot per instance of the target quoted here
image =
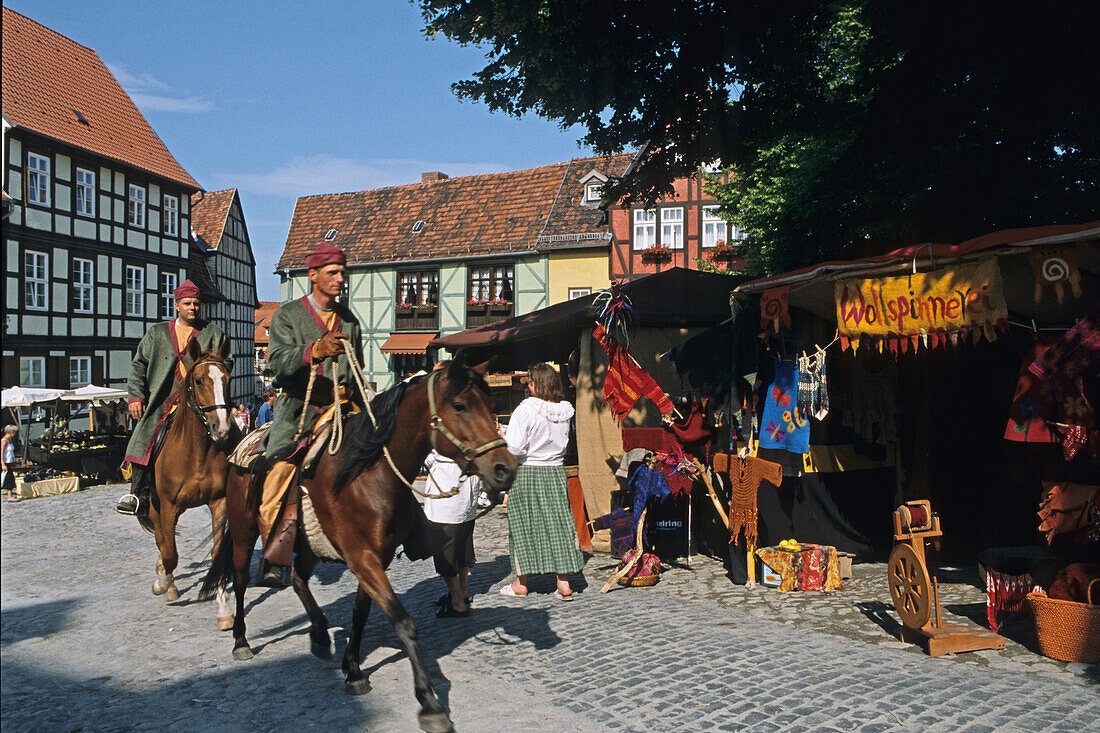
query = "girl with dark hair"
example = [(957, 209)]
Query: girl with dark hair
[(542, 536)]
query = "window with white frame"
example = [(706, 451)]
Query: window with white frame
[(38, 179), (135, 291), (171, 215), (494, 283), (32, 371), (83, 285), (168, 283), (85, 192), (575, 293), (36, 280), (80, 371), (672, 227), (136, 206), (645, 228), (592, 191), (714, 227)]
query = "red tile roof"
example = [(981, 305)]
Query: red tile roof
[(471, 215), (48, 79), (209, 210), (263, 320)]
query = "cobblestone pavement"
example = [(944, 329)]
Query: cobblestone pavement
[(86, 646)]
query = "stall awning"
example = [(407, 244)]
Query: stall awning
[(407, 343)]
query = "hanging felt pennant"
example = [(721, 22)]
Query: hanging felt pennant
[(926, 308), (783, 424), (626, 381), (773, 307), (1054, 267)]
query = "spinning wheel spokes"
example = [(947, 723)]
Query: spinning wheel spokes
[(910, 587)]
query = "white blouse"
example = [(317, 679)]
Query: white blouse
[(444, 475), (538, 432)]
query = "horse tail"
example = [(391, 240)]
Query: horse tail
[(221, 568)]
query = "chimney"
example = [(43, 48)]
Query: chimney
[(433, 176)]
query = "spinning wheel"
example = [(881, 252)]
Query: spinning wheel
[(910, 586), (916, 595)]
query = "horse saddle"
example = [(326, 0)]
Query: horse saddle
[(251, 448)]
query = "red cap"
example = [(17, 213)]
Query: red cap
[(187, 289), (326, 254)]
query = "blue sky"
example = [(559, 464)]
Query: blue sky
[(285, 99)]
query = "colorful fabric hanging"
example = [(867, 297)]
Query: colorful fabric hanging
[(774, 307), (784, 425), (1039, 402), (1055, 268), (626, 381), (813, 397)]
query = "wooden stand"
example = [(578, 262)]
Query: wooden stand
[(916, 596)]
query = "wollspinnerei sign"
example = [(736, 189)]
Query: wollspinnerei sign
[(928, 308)]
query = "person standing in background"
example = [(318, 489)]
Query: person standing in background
[(7, 458), (267, 410), (542, 536), (455, 516)]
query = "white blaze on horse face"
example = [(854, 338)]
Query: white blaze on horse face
[(218, 377)]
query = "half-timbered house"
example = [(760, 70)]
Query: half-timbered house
[(446, 254), (98, 230), (218, 228)]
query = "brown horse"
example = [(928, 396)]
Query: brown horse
[(191, 469), (366, 510)]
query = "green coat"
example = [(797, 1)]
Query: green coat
[(295, 326), (153, 379)]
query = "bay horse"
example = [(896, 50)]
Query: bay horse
[(191, 468), (363, 503)]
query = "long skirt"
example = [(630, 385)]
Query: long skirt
[(542, 536)]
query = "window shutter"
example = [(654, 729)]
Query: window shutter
[(9, 370), (57, 372), (97, 371)]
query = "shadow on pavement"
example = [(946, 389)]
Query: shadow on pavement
[(880, 613), (41, 619)]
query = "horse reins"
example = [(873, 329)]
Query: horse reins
[(470, 454)]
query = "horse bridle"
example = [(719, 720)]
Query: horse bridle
[(469, 453), (193, 400)]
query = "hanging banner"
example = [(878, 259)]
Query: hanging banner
[(928, 308)]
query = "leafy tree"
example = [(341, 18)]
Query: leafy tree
[(848, 126)]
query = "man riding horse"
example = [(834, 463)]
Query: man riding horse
[(306, 334), (156, 378)]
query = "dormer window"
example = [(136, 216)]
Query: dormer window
[(418, 227), (331, 235), (593, 182)]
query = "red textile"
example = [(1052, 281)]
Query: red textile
[(811, 571), (626, 381), (654, 439), (678, 482), (1005, 592)]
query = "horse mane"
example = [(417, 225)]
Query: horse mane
[(370, 438)]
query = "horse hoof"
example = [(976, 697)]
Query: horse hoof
[(435, 722), (242, 654), (159, 588), (225, 623), (172, 594), (358, 687), (322, 651)]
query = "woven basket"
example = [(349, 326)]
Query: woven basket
[(640, 581), (1068, 631)]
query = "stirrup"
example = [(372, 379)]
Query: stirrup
[(123, 506)]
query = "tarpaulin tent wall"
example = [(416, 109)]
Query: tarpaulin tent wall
[(669, 306), (953, 401)]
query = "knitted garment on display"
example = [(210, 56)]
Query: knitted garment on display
[(1040, 401), (1070, 509), (626, 381), (654, 439), (813, 398), (1076, 354), (746, 475)]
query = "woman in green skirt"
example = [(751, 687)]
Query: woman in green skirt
[(542, 536)]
